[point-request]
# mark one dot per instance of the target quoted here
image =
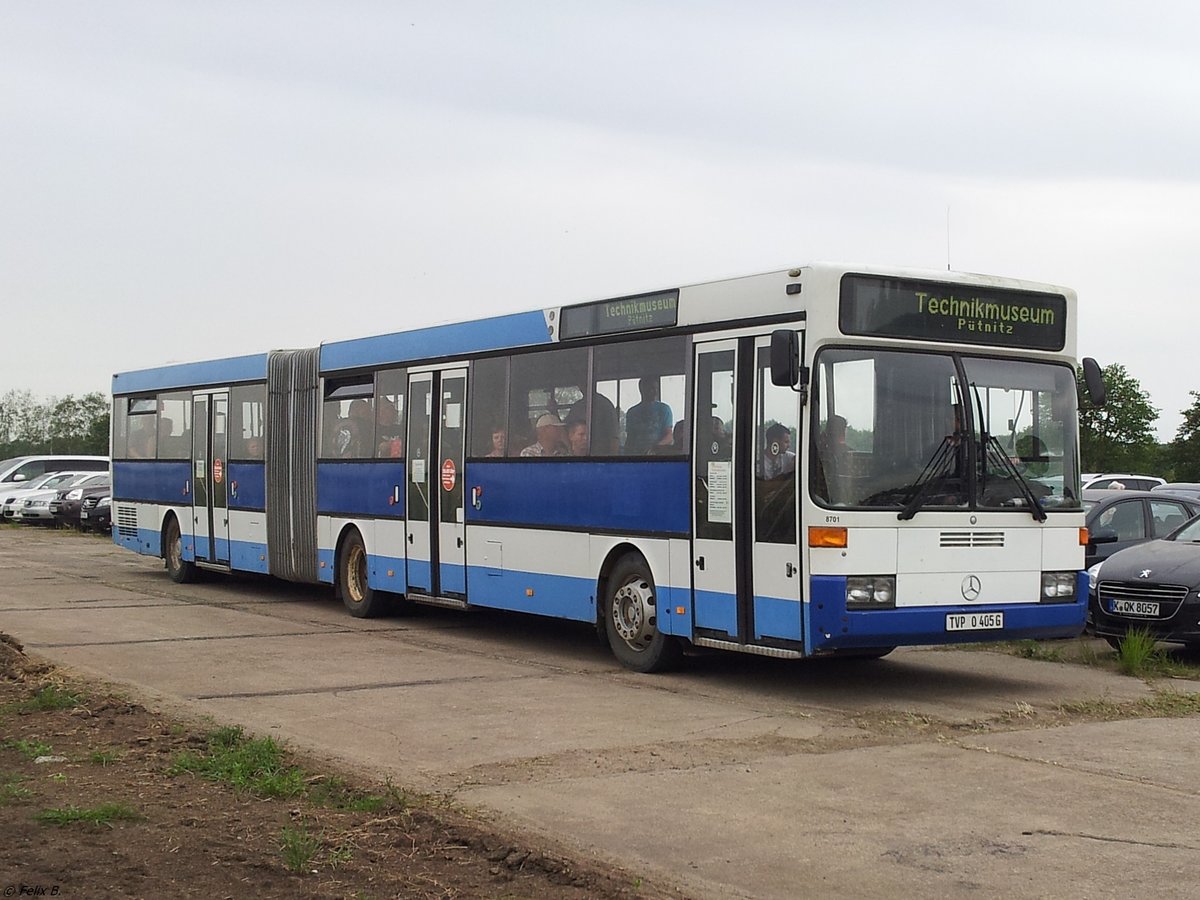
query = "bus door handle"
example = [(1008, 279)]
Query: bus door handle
[(791, 570), (460, 543), (410, 537), (700, 563), (477, 497)]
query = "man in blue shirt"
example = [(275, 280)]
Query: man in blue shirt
[(648, 423)]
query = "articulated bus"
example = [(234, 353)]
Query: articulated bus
[(818, 461)]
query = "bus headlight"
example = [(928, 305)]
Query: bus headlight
[(1058, 587), (871, 592)]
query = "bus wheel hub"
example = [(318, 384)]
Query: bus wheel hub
[(633, 613)]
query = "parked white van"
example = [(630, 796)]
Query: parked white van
[(18, 472)]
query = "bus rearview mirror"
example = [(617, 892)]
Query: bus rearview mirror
[(785, 358), (1092, 375)]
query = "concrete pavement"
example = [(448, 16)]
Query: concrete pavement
[(930, 772)]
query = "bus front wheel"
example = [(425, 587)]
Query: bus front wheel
[(179, 569), (363, 601), (631, 619)]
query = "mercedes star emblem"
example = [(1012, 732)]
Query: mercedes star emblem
[(971, 587)]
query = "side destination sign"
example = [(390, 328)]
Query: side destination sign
[(637, 313), (936, 311)]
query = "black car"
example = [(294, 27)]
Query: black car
[(1120, 519), (1154, 586), (67, 504), (96, 513)]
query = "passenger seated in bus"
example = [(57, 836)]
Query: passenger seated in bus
[(777, 457), (602, 430), (354, 432), (141, 437), (499, 445), (390, 431), (577, 438), (550, 438), (648, 422), (678, 443), (254, 448)]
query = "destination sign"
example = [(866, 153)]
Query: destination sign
[(937, 311), (638, 313)]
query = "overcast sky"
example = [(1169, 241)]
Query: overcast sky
[(188, 181)]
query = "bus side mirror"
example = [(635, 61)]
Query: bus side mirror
[(1092, 376), (785, 358)]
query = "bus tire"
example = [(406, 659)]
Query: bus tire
[(179, 569), (631, 619), (363, 601)]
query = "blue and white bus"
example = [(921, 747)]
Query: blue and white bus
[(815, 461)]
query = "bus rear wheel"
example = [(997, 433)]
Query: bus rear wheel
[(179, 569), (363, 601), (631, 620)]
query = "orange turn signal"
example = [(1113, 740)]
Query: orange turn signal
[(1084, 537), (826, 537)]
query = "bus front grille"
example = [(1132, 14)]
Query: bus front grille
[(972, 539)]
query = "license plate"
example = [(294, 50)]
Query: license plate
[(974, 621), (83, 515), (1135, 608)]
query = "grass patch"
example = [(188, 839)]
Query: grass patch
[(1140, 656), (50, 697), (1030, 649), (254, 765), (1163, 704), (333, 792), (11, 789), (104, 814), (29, 749), (104, 757), (298, 848)]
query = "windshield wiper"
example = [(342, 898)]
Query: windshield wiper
[(938, 467), (998, 456)]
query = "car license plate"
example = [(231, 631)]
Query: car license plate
[(1134, 608), (83, 515), (974, 621)]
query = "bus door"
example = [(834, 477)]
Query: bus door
[(210, 492), (435, 528), (746, 559)]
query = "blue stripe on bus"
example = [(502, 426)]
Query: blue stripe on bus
[(561, 596), (360, 489), (153, 481), (834, 627), (378, 577), (499, 333), (247, 556), (670, 622), (214, 372), (777, 618), (717, 612), (325, 566), (635, 496), (247, 485), (146, 541)]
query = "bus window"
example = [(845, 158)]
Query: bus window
[(489, 408), (142, 428), (776, 431), (390, 387), (349, 419), (175, 425), (644, 382), (544, 384), (248, 410)]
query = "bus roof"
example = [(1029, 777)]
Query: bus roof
[(760, 295)]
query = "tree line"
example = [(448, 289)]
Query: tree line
[(1119, 437), (70, 424)]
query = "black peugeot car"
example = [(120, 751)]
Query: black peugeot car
[(1153, 586)]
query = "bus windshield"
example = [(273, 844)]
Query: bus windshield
[(906, 431)]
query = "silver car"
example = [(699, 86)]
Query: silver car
[(11, 502), (35, 508)]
